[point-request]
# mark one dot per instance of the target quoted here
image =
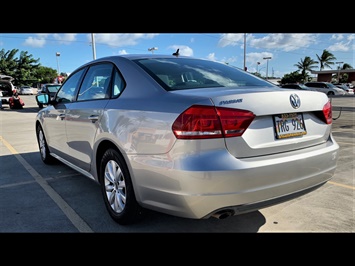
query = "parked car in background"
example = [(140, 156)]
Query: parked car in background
[(26, 90), (297, 86), (326, 87), (7, 90), (346, 88), (46, 88), (187, 137)]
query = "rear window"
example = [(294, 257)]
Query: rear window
[(191, 73)]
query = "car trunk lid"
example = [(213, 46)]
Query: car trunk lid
[(284, 120)]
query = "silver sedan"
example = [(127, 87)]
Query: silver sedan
[(26, 90), (187, 137)]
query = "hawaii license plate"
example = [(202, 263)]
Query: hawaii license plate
[(289, 125)]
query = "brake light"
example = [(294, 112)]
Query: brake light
[(327, 112), (205, 122)]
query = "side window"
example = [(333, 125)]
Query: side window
[(118, 85), (68, 89), (96, 83)]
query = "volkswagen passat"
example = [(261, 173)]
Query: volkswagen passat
[(187, 137)]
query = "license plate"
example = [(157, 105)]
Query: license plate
[(289, 125)]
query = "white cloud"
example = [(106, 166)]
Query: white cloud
[(231, 39), (121, 52), (286, 42), (183, 50), (230, 60), (35, 42), (340, 46), (253, 58), (337, 37), (212, 57), (65, 38), (40, 40), (120, 40), (281, 41)]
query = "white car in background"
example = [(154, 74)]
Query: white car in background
[(26, 90), (346, 88), (326, 87)]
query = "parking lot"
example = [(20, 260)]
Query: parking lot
[(35, 197)]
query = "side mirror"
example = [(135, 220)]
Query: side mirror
[(43, 98)]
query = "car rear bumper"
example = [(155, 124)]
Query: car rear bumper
[(183, 188)]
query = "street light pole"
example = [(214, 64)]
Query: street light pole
[(57, 54), (257, 66), (339, 70), (267, 65)]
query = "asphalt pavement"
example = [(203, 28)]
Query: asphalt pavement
[(37, 198)]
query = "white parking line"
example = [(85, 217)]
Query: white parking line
[(341, 185), (76, 220)]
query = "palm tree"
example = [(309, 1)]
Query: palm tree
[(325, 59), (346, 66), (307, 64), (342, 78)]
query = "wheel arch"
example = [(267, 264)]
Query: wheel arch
[(104, 146), (36, 125)]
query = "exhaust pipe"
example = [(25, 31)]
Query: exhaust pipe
[(223, 214)]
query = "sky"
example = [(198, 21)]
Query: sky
[(66, 52)]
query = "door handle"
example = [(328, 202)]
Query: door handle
[(61, 116), (94, 118)]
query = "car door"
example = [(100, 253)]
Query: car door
[(84, 114), (56, 114)]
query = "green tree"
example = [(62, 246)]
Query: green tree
[(293, 77), (26, 69), (8, 63), (306, 65), (45, 74), (22, 69), (326, 59)]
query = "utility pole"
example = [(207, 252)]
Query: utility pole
[(245, 47), (93, 46)]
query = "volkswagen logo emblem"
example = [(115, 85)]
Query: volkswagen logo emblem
[(295, 101)]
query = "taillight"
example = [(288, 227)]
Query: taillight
[(205, 122), (327, 112)]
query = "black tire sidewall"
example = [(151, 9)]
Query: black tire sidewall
[(48, 159), (131, 212)]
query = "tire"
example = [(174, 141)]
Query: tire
[(43, 146), (117, 189), (40, 105)]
